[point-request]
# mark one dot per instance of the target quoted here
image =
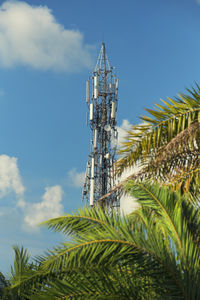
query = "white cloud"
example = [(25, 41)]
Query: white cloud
[(122, 131), (127, 202), (10, 179), (75, 178), (30, 35), (197, 1), (34, 213), (49, 207)]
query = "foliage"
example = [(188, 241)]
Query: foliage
[(3, 285), (19, 271), (167, 143), (153, 254)]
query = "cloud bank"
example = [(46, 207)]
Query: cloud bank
[(49, 207), (31, 36)]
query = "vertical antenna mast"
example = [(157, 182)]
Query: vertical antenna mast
[(101, 98)]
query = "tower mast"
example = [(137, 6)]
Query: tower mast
[(101, 98)]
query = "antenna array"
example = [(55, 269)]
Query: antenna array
[(101, 98)]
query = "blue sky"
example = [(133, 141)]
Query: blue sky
[(48, 49)]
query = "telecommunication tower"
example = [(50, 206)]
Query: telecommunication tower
[(101, 98)]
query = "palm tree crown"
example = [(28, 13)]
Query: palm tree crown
[(167, 143), (152, 254)]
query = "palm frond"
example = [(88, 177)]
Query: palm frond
[(154, 253), (102, 283), (168, 144), (80, 221), (162, 202), (120, 245)]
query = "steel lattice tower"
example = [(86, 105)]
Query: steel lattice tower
[(101, 98)]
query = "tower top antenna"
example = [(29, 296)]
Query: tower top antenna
[(102, 61)]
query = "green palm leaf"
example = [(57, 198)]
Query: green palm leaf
[(167, 144), (152, 254)]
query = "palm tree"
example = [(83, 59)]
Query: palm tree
[(152, 254), (167, 143), (22, 267)]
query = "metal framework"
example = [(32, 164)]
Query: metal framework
[(101, 98)]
